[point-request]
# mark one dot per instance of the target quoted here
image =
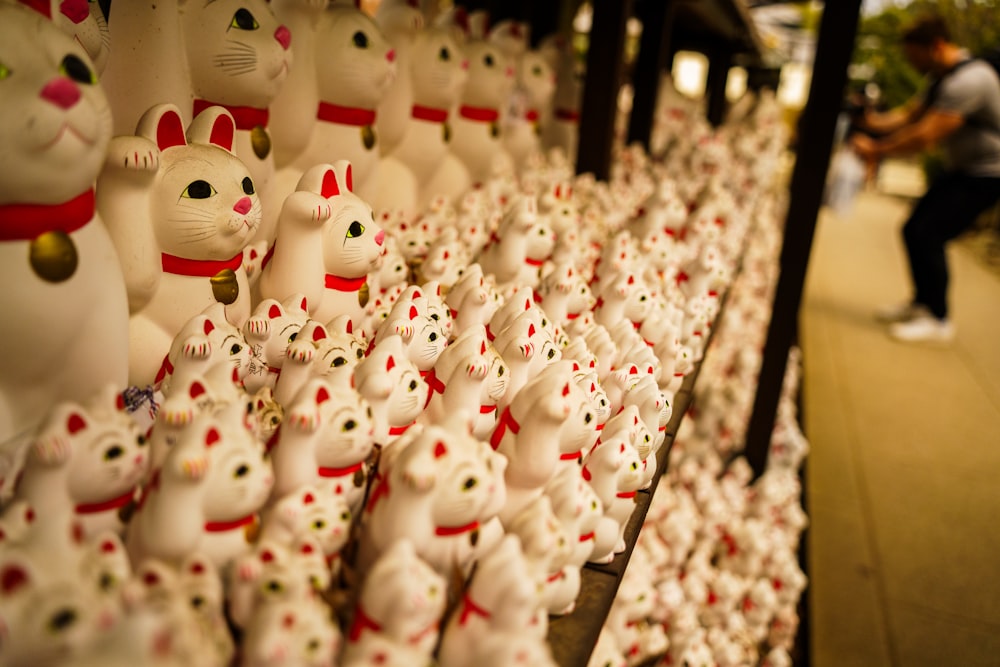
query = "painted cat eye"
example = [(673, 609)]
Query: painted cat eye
[(62, 620), (293, 337), (413, 385), (350, 425), (345, 516), (488, 60), (242, 470), (113, 453), (360, 40), (360, 353), (197, 602), (469, 483), (4, 71), (444, 53), (198, 190), (355, 230), (319, 524), (247, 185), (244, 20), (73, 67), (338, 362), (536, 70), (500, 372), (235, 349)]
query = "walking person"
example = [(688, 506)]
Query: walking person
[(959, 111)]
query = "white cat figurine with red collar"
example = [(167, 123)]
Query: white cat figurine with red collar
[(309, 512), (478, 139), (325, 440), (181, 211), (393, 387), (293, 632), (327, 244), (329, 352), (410, 319), (65, 324), (83, 21), (207, 494), (85, 462), (402, 601), (422, 166), (522, 243), (272, 327), (354, 69), (536, 82)]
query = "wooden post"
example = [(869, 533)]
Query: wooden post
[(605, 59), (720, 60), (657, 18), (833, 53)]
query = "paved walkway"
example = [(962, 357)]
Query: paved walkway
[(903, 481)]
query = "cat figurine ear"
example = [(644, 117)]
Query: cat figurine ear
[(213, 126)]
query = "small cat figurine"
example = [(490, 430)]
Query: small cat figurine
[(293, 632), (327, 244), (273, 326), (329, 352), (325, 441), (206, 495), (181, 210), (392, 385), (63, 287), (206, 340), (402, 600), (86, 461), (531, 102), (410, 319), (309, 511)]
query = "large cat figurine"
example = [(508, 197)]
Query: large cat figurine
[(327, 244), (400, 21), (181, 211), (83, 21), (85, 462), (206, 495), (531, 100), (422, 165), (64, 329), (478, 136), (353, 72)]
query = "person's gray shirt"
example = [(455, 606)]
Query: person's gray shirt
[(973, 90)]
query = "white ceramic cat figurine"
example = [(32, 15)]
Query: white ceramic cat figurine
[(548, 545), (578, 508), (614, 471), (563, 294), (63, 287), (86, 461), (355, 69), (625, 297), (503, 598), (400, 22), (536, 82), (272, 327), (207, 494), (181, 210), (205, 341), (239, 58), (472, 300), (478, 140), (309, 511), (327, 244), (438, 491), (402, 600), (273, 570), (320, 352), (392, 385), (469, 375), (520, 246), (421, 166), (81, 20), (291, 632), (562, 127), (410, 320), (325, 441)]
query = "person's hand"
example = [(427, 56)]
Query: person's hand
[(866, 148)]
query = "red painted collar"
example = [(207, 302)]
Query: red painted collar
[(344, 284), (479, 114), (111, 504), (267, 257), (429, 113), (446, 531), (246, 118), (553, 578), (166, 368), (205, 268), (572, 456), (531, 115), (25, 222), (433, 382), (572, 316), (226, 526), (325, 471), (335, 113), (506, 421), (487, 409), (400, 430), (362, 622), (586, 537), (625, 494), (381, 491), (469, 607), (533, 262), (568, 115)]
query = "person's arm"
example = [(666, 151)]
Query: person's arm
[(886, 122), (931, 128)]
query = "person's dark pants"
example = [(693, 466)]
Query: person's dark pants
[(950, 206)]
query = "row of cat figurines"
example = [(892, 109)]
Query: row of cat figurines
[(419, 108)]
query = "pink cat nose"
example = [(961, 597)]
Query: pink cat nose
[(243, 206), (509, 72), (465, 64), (391, 55), (62, 92), (380, 237), (284, 36), (75, 10)]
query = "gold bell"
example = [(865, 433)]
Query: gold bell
[(225, 288), (368, 137), (53, 256), (494, 129), (363, 295), (446, 132), (260, 140)]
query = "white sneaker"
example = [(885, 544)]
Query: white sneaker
[(900, 312), (923, 328)]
